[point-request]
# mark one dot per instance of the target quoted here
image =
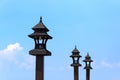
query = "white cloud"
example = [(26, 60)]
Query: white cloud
[(10, 51), (14, 54)]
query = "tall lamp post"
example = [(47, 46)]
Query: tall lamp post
[(40, 38), (87, 66), (75, 56)]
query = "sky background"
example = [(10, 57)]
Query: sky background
[(92, 25)]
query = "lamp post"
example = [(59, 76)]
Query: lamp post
[(40, 38), (75, 56), (87, 66)]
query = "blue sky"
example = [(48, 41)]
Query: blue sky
[(92, 25)]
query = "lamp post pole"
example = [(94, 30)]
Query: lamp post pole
[(87, 74), (39, 67), (76, 73), (40, 38), (75, 56)]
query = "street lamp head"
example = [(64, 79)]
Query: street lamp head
[(87, 62), (40, 37), (75, 56)]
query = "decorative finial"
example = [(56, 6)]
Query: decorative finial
[(88, 56), (75, 47), (40, 18), (87, 53)]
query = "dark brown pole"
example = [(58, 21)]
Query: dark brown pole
[(39, 68), (76, 73), (87, 74)]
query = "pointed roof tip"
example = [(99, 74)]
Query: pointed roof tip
[(88, 56), (87, 53), (40, 18), (75, 50), (75, 47)]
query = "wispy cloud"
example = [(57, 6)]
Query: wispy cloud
[(106, 64), (110, 64), (28, 63)]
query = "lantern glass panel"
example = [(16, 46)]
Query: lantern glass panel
[(88, 63), (76, 59), (39, 43)]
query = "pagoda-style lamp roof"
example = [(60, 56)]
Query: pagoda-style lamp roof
[(87, 58), (75, 53), (40, 30), (40, 25)]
